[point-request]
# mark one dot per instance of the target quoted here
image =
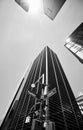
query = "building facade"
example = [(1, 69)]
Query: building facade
[(44, 99), (80, 103), (74, 43)]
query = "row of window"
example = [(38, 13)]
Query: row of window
[(75, 48)]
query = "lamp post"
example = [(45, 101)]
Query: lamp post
[(44, 97), (33, 85), (36, 121)]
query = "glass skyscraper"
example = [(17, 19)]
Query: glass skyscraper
[(44, 99)]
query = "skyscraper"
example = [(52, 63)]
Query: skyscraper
[(80, 103), (52, 7), (44, 99), (74, 43)]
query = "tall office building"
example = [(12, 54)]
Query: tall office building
[(74, 43), (51, 7), (44, 99), (80, 103)]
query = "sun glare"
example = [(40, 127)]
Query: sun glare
[(68, 40), (34, 6)]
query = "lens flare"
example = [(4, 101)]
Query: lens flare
[(34, 6)]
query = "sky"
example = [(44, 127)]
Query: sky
[(24, 34)]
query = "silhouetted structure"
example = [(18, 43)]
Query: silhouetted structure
[(74, 43), (52, 7), (44, 99), (24, 4)]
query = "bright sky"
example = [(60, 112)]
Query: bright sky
[(23, 35)]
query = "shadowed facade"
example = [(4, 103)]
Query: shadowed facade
[(50, 104)]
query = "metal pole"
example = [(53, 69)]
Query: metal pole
[(46, 87)]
